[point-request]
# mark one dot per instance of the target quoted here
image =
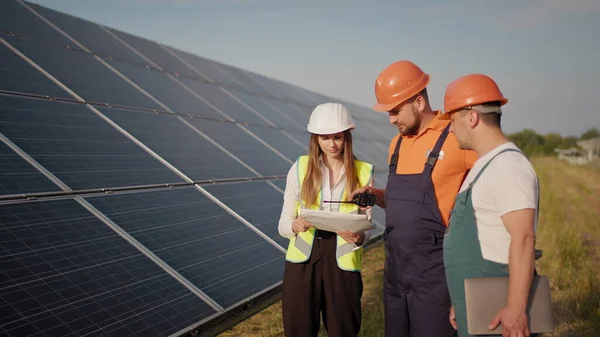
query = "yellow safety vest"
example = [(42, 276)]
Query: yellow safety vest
[(300, 245)]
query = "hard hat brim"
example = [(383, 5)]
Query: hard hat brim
[(446, 116), (386, 107), (328, 131)]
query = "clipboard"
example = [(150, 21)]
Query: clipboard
[(334, 221)]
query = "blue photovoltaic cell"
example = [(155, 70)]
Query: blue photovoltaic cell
[(156, 54), (278, 140), (91, 35), (207, 68), (77, 146), (65, 273), (245, 147), (375, 156), (380, 131), (179, 144), (242, 77), (17, 75), (167, 91), (303, 138), (280, 183), (301, 117), (15, 18), (18, 176), (257, 202), (273, 89), (279, 118), (83, 74), (224, 102), (200, 240)]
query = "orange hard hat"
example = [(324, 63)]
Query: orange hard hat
[(398, 82), (472, 89)]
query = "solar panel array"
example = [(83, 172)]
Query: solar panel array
[(141, 185)]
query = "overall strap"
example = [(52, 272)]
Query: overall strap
[(394, 159), (435, 152), (489, 161)]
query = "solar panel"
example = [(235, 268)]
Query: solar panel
[(292, 111), (224, 102), (102, 230), (82, 73), (65, 273), (77, 146), (200, 240), (246, 147), (18, 76), (19, 177), (207, 68), (255, 201), (265, 107), (168, 92), (154, 52), (17, 19), (88, 33), (180, 144)]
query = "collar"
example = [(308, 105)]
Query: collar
[(322, 164), (436, 124)]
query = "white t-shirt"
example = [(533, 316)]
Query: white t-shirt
[(509, 183)]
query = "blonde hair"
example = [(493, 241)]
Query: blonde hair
[(311, 186)]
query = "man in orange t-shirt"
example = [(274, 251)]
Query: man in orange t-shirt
[(426, 170)]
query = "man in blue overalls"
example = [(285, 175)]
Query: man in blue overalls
[(426, 169), (493, 223)]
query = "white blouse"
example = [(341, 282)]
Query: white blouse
[(292, 196)]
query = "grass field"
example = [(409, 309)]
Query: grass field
[(569, 235)]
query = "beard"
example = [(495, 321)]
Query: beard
[(411, 130)]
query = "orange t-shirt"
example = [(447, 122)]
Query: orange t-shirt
[(452, 166)]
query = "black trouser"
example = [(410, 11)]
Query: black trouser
[(320, 285)]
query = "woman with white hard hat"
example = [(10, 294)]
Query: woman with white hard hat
[(322, 268)]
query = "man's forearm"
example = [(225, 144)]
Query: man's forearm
[(521, 260)]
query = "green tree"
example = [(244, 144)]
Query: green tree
[(552, 141), (569, 142), (591, 133), (529, 141)]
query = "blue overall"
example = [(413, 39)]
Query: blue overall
[(416, 298)]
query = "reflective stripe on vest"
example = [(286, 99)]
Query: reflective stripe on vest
[(300, 246)]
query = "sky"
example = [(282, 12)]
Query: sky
[(543, 54)]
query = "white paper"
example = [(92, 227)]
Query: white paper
[(334, 221)]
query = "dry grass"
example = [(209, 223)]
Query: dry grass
[(569, 231), (570, 213)]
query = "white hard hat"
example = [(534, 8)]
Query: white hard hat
[(329, 118)]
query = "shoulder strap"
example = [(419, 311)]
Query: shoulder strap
[(435, 152), (488, 163), (394, 159)]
